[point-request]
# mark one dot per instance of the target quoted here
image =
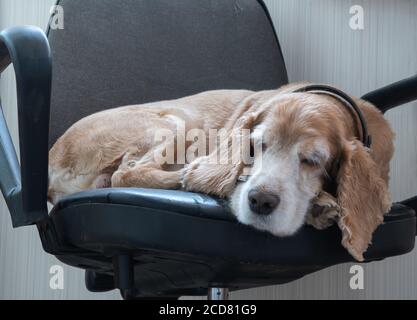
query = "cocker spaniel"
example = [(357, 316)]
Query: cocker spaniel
[(307, 159)]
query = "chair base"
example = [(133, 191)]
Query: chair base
[(215, 294)]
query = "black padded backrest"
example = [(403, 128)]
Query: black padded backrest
[(119, 52)]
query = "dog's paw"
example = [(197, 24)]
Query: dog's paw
[(324, 213), (325, 219), (192, 176), (205, 177), (326, 200)]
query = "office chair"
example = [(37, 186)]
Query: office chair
[(159, 243)]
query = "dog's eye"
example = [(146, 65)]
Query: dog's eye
[(309, 162)]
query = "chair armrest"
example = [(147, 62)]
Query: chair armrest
[(393, 95), (411, 203), (25, 187)]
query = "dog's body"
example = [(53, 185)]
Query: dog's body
[(307, 138), (92, 145)]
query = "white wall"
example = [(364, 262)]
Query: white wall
[(318, 46)]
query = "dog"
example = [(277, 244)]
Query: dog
[(313, 167)]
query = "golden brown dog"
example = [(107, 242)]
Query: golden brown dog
[(306, 140)]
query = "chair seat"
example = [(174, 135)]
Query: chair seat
[(182, 243)]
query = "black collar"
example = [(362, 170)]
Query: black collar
[(347, 101)]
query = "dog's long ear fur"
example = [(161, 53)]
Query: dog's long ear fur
[(363, 197)]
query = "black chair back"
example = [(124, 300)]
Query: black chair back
[(119, 52)]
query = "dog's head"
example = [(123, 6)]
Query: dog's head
[(306, 142)]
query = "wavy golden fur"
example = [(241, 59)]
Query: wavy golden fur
[(309, 139)]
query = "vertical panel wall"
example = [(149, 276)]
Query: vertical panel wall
[(318, 46), (24, 266)]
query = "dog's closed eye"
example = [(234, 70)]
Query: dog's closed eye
[(311, 160), (314, 153)]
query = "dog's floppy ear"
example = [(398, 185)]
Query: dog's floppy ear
[(362, 195)]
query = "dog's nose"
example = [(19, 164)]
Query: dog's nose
[(262, 203)]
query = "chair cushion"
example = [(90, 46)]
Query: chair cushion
[(188, 203), (142, 218)]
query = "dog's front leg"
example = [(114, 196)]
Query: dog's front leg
[(145, 172), (217, 173), (146, 176), (214, 179)]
